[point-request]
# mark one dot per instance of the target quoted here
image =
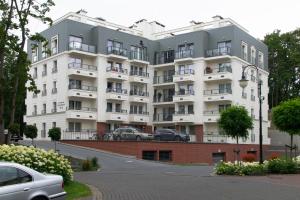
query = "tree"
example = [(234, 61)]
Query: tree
[(286, 117), (30, 131), (235, 122), (284, 66), (54, 134)]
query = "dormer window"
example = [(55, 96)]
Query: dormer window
[(44, 49), (253, 55), (54, 45), (34, 54), (244, 51)]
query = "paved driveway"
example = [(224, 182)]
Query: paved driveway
[(125, 178)]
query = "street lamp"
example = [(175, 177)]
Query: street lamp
[(243, 83)]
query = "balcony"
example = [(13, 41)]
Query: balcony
[(139, 77), (116, 73), (222, 51), (139, 58), (163, 118), (77, 69), (83, 91), (138, 96), (184, 117), (187, 75), (83, 113), (116, 94), (117, 53), (163, 80), (82, 134), (184, 56), (81, 47), (184, 96), (218, 95), (164, 57), (116, 115), (139, 117), (214, 138), (162, 100), (218, 74), (211, 116)]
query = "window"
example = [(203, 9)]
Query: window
[(190, 109), (225, 67), (225, 88), (74, 84), (44, 92), (139, 53), (252, 136), (54, 69), (11, 176), (54, 109), (108, 107), (34, 110), (35, 73), (253, 55), (115, 47), (252, 95), (181, 109), (44, 49), (53, 124), (54, 45), (44, 109), (44, 73), (75, 42), (224, 48), (43, 131), (252, 113), (223, 107), (54, 89), (244, 51), (118, 107), (74, 127), (75, 105), (34, 54), (252, 76), (260, 60)]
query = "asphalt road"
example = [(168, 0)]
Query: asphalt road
[(126, 178)]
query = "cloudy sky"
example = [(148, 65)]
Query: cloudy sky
[(258, 16)]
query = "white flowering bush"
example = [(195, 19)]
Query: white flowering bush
[(38, 159)]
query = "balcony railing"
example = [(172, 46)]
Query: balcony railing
[(83, 87), (214, 138), (116, 111), (185, 92), (44, 92), (211, 112), (117, 70), (189, 53), (81, 134), (138, 73), (138, 112), (222, 51), (34, 113), (85, 109), (138, 93), (217, 91), (183, 112), (138, 56), (218, 70), (162, 79), (82, 47), (162, 117), (82, 66), (164, 57), (185, 72), (54, 90), (157, 99), (116, 90), (117, 51)]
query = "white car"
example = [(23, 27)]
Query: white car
[(18, 182)]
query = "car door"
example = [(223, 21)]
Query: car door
[(15, 184), (163, 134), (169, 135)]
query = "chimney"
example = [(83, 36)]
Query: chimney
[(217, 17), (81, 12)]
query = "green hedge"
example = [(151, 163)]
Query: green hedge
[(38, 159)]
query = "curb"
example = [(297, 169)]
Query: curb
[(98, 150), (96, 194)]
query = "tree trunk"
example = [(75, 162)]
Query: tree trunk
[(291, 147), (13, 102)]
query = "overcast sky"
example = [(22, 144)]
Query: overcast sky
[(258, 16)]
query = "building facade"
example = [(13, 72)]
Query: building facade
[(100, 76)]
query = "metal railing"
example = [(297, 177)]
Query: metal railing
[(117, 51), (185, 92), (222, 51), (138, 93), (157, 99), (85, 109), (185, 72), (183, 112), (138, 56), (138, 112), (164, 57), (217, 91), (189, 53), (83, 134), (83, 87), (82, 66), (138, 73), (116, 90), (117, 70), (116, 111), (211, 112), (218, 70), (162, 79), (214, 138), (82, 47), (161, 117)]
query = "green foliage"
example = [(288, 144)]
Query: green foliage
[(38, 159), (75, 190), (54, 134), (282, 166), (284, 62), (286, 116), (235, 122), (14, 129), (90, 164), (30, 131)]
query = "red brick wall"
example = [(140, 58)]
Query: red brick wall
[(199, 133), (101, 128), (181, 152)]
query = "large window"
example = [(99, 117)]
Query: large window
[(224, 48), (74, 105), (12, 176), (260, 59), (139, 53), (44, 49), (75, 42), (225, 88), (54, 45), (253, 55), (244, 51), (74, 126), (34, 54)]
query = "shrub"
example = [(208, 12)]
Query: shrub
[(95, 162), (14, 129), (281, 166), (274, 156), (244, 168), (38, 159), (30, 131), (54, 134), (248, 157), (87, 165)]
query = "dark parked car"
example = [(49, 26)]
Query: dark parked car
[(16, 138), (170, 135)]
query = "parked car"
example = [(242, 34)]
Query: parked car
[(131, 133), (18, 182), (170, 135), (16, 138)]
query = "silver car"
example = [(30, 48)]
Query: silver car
[(18, 182), (131, 133)]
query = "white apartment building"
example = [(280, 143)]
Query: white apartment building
[(101, 76)]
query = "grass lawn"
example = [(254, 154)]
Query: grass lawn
[(76, 190)]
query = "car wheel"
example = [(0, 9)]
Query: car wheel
[(138, 138), (177, 138), (40, 198), (118, 138)]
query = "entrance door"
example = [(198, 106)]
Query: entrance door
[(218, 157)]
